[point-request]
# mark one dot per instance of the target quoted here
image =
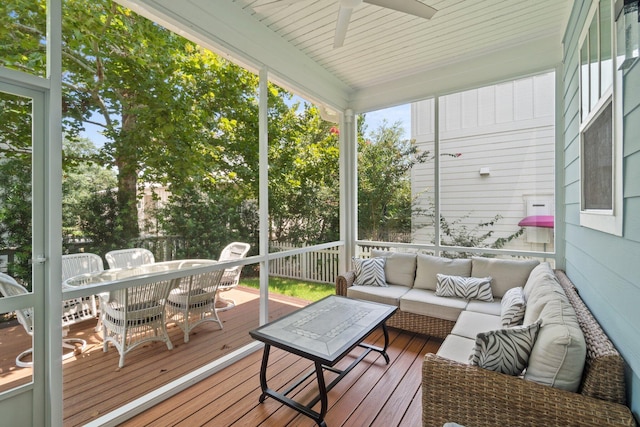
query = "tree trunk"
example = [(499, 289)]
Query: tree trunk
[(126, 160)]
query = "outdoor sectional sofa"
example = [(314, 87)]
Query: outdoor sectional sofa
[(574, 376)]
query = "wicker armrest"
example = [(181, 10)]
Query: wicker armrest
[(472, 396), (343, 281)]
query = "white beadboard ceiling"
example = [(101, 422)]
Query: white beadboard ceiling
[(388, 57)]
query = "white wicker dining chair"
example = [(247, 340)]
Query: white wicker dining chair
[(133, 257), (231, 276), (134, 316), (9, 287), (79, 309), (193, 301)]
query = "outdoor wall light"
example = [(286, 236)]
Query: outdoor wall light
[(628, 37)]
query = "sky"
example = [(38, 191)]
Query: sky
[(401, 113)]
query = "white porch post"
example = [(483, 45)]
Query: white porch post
[(263, 141), (53, 402), (348, 188)]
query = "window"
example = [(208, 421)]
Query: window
[(600, 130)]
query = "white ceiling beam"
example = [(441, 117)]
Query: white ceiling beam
[(493, 67), (223, 27)]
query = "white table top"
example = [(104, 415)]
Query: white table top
[(124, 274)]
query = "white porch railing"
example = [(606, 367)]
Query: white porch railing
[(318, 266)]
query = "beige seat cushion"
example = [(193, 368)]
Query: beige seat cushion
[(456, 348), (559, 353), (470, 324), (429, 266), (494, 307), (399, 268), (386, 295), (426, 303), (506, 273)]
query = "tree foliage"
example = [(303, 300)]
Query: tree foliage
[(385, 160), (15, 213), (304, 179), (85, 178)]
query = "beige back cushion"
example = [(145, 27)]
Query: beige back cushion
[(399, 269), (429, 266), (559, 353), (505, 273), (541, 287)]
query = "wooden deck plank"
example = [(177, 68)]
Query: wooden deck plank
[(153, 365), (373, 393), (379, 394)]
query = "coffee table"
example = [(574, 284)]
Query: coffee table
[(323, 332)]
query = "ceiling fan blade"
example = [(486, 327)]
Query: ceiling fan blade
[(412, 7), (344, 16), (272, 5)]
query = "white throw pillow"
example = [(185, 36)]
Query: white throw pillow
[(464, 287), (512, 307), (505, 350), (369, 272)]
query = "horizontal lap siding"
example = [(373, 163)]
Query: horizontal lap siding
[(508, 128), (605, 267)]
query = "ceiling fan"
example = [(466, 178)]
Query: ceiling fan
[(411, 7)]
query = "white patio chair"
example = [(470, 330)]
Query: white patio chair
[(134, 316), (193, 301), (133, 257), (9, 287), (84, 308), (231, 276)]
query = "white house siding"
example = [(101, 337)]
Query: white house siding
[(605, 268), (507, 128)]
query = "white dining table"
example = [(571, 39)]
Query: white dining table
[(119, 278)]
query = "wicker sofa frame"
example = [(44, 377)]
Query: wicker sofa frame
[(472, 396)]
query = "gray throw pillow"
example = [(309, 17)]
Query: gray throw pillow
[(512, 307), (505, 350), (369, 271), (464, 287)]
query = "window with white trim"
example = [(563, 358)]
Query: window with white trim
[(600, 123)]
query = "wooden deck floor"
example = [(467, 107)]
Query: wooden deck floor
[(373, 393)]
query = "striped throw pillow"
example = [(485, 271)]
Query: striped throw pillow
[(512, 307), (464, 287), (370, 271), (505, 350)]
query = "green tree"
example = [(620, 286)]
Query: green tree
[(15, 213), (385, 160), (83, 178), (15, 182), (170, 110), (304, 178)]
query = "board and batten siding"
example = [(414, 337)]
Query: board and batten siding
[(508, 129), (605, 268)]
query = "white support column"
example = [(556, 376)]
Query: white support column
[(348, 188), (559, 227), (53, 403), (436, 178), (263, 141)]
